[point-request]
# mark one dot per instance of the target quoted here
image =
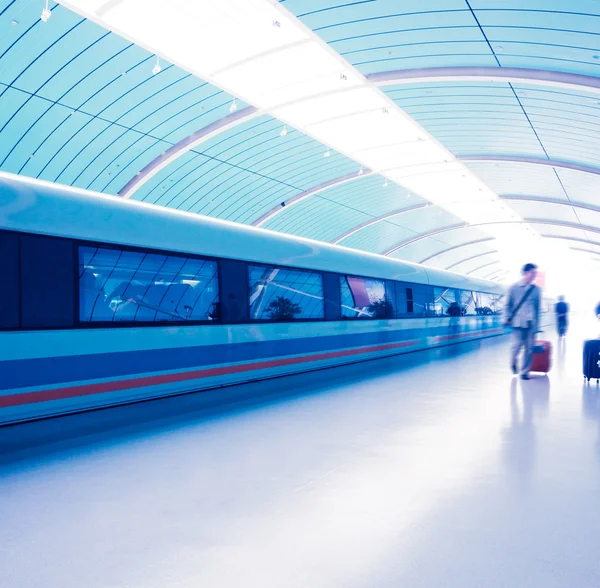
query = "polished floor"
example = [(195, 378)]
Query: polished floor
[(429, 470)]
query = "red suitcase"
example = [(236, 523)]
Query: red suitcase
[(542, 352)]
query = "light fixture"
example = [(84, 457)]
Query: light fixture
[(327, 153), (360, 171), (233, 106), (14, 23), (499, 48), (156, 69), (46, 13), (283, 131), (385, 184)]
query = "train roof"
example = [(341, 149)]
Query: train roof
[(40, 207)]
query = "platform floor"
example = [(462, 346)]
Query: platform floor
[(436, 469)]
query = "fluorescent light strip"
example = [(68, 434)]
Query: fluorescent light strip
[(259, 52)]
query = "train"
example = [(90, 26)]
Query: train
[(107, 301)]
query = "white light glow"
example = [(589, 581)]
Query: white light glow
[(333, 105), (259, 52), (361, 131)]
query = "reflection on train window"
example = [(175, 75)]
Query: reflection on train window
[(447, 302), (469, 303), (278, 294), (130, 286), (363, 297), (490, 303)]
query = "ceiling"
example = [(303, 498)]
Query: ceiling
[(509, 87)]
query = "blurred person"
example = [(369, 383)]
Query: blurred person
[(562, 310), (522, 312)]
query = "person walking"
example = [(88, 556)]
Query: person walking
[(522, 312), (562, 311)]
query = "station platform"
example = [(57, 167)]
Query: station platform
[(433, 469)]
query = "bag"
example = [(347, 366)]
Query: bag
[(514, 312), (591, 359), (541, 358)]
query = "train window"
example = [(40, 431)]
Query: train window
[(490, 303), (412, 300), (279, 294), (363, 298), (470, 302), (446, 302), (130, 286)]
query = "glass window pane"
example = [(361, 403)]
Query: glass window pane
[(468, 303), (130, 286), (446, 302), (363, 297), (278, 294), (496, 303)]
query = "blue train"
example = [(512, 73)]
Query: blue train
[(106, 301)]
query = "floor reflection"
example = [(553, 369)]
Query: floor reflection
[(591, 408), (561, 352), (529, 400)]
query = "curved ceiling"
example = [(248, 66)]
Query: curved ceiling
[(510, 87)]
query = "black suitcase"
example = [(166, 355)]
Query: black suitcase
[(591, 359)]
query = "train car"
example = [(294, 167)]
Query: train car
[(107, 301)]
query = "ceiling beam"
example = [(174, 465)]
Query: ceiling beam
[(544, 199), (378, 219), (588, 169), (491, 74), (442, 251), (409, 76), (176, 151), (483, 266), (495, 275), (520, 197), (533, 221), (470, 258), (310, 192)]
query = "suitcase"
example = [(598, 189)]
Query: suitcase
[(591, 359), (542, 352)]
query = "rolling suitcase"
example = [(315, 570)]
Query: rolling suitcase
[(591, 359), (542, 354)]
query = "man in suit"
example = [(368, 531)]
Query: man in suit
[(522, 312)]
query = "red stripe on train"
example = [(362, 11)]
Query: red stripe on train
[(114, 386), (471, 334)]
